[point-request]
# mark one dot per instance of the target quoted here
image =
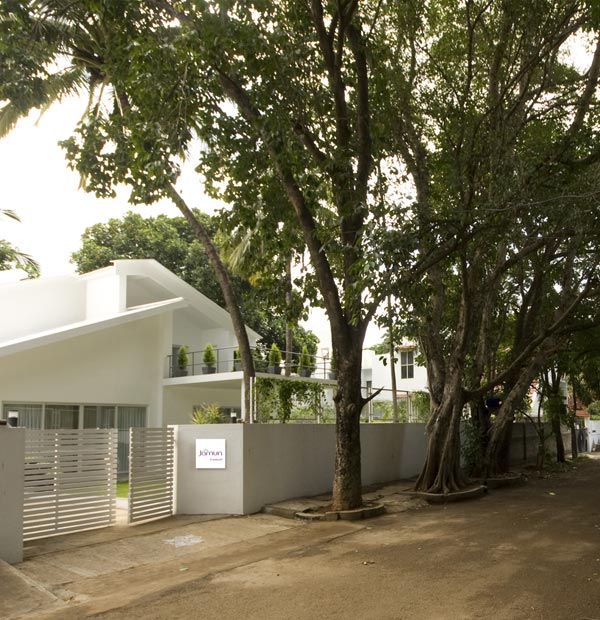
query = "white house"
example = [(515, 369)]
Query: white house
[(376, 374), (99, 350)]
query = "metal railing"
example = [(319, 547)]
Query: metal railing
[(319, 367)]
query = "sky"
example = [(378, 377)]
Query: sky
[(36, 183)]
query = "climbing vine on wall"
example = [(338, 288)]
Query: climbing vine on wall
[(281, 399)]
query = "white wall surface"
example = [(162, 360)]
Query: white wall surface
[(273, 462), (34, 306), (12, 463), (209, 491), (119, 365), (105, 295), (381, 377)]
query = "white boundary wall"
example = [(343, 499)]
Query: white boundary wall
[(266, 463), (12, 463)]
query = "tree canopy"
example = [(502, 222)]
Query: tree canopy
[(425, 150)]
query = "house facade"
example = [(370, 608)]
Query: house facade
[(411, 378), (98, 350)]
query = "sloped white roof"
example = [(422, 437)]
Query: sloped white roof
[(176, 294), (87, 327)]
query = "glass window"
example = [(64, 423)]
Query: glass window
[(127, 417), (30, 416), (99, 416), (61, 416), (407, 367)]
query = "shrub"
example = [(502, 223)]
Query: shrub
[(182, 357), (305, 359), (209, 357), (274, 355), (207, 414)]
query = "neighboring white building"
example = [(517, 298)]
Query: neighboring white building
[(410, 377), (98, 350)]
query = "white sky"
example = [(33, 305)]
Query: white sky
[(36, 184)]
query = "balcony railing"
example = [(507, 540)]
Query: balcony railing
[(319, 367)]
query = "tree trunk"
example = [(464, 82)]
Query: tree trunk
[(480, 417), (541, 454), (289, 333), (347, 488), (574, 449), (231, 302), (497, 456), (560, 447), (442, 472), (392, 360)]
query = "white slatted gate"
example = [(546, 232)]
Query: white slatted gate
[(151, 468), (70, 481)]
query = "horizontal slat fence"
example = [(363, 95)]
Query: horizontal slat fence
[(151, 466), (70, 481)]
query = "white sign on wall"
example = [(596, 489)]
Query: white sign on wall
[(210, 453)]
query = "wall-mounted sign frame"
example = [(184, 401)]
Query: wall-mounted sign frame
[(210, 453)]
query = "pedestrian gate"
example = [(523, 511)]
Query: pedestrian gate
[(70, 481), (151, 468)]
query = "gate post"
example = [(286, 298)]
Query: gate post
[(12, 474)]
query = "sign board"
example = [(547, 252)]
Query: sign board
[(210, 453)]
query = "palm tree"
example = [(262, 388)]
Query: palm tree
[(11, 257), (58, 48)]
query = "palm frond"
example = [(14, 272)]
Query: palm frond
[(10, 213), (9, 115)]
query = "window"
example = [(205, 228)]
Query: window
[(30, 416), (98, 416), (61, 416), (407, 364)]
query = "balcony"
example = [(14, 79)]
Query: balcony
[(319, 367)]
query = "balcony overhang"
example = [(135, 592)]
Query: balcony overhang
[(235, 379)]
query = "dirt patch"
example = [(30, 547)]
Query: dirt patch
[(522, 553)]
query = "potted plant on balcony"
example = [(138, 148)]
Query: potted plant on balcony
[(210, 360), (182, 361), (274, 360), (304, 365), (332, 368), (237, 360)]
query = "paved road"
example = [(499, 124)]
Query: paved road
[(531, 552)]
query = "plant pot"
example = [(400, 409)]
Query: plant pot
[(237, 366), (181, 372), (304, 372), (208, 370), (333, 375), (274, 370)]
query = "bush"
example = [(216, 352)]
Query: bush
[(305, 362), (209, 357), (274, 355), (207, 414), (182, 357)]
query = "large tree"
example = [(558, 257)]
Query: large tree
[(404, 141)]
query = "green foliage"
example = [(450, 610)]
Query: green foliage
[(209, 357), (274, 355), (306, 361), (208, 413), (286, 400), (594, 410), (182, 357), (11, 257), (472, 440), (421, 403)]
